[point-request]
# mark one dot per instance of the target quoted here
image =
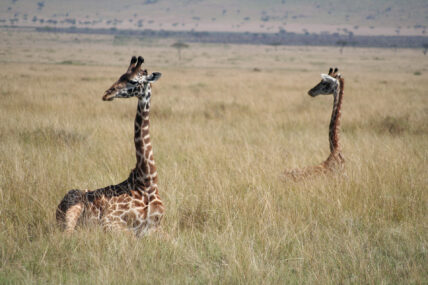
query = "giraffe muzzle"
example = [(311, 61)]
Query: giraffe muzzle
[(108, 97), (311, 93)]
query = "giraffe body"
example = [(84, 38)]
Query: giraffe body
[(134, 204), (115, 207)]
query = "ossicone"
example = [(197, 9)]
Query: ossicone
[(139, 62)]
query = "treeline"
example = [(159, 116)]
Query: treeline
[(274, 39)]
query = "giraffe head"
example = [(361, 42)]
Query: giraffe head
[(135, 82), (328, 85)]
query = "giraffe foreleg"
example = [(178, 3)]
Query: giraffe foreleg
[(115, 224)]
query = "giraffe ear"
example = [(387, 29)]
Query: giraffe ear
[(154, 76)]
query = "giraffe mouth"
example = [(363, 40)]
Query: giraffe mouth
[(312, 93), (108, 97)]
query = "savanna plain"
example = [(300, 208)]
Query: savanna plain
[(226, 121)]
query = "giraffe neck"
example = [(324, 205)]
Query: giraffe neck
[(334, 127), (145, 173)]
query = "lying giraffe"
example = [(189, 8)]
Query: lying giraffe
[(134, 204), (331, 83)]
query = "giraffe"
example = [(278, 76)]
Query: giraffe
[(133, 205), (331, 83)]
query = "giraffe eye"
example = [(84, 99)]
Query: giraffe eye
[(133, 82)]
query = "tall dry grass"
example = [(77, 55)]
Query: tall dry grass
[(222, 135)]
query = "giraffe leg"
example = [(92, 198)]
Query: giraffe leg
[(72, 216), (116, 225), (160, 231)]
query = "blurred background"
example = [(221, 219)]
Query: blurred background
[(250, 21)]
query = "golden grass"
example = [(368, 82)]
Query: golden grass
[(222, 135)]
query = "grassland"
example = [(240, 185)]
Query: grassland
[(222, 134)]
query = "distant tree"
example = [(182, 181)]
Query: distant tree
[(425, 46), (341, 44), (179, 46), (265, 18), (275, 44), (13, 21), (40, 5)]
